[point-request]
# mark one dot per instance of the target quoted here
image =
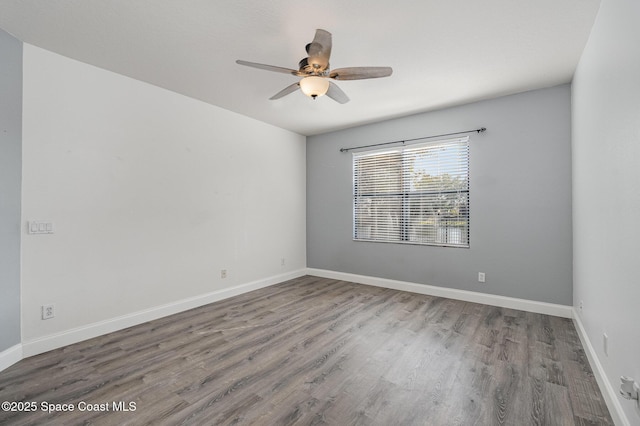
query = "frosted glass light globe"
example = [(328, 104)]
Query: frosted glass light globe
[(314, 86)]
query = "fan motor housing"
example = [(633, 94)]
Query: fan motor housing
[(311, 69)]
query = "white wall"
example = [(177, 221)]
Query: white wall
[(151, 194), (606, 191)]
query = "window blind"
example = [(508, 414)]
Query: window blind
[(418, 194)]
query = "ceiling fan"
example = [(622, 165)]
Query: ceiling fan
[(316, 74)]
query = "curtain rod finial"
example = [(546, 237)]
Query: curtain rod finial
[(482, 129)]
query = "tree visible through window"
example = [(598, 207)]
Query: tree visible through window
[(417, 194)]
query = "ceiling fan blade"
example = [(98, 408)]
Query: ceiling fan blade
[(337, 94), (267, 67), (319, 50), (284, 92), (360, 73)]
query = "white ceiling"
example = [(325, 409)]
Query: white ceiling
[(443, 53)]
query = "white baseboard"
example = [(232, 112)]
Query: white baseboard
[(75, 335), (608, 391), (467, 296), (10, 356)]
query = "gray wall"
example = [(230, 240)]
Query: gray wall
[(520, 200), (10, 178)]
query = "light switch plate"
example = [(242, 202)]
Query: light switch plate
[(40, 227)]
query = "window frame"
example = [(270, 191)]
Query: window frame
[(407, 195)]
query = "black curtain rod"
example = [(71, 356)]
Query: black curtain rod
[(480, 130)]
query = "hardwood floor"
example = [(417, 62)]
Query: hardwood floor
[(319, 351)]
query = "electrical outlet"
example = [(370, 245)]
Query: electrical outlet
[(282, 262), (605, 343), (47, 312), (223, 273), (581, 306), (481, 277)]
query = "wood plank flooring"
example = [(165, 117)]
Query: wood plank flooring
[(314, 351)]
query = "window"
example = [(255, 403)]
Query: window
[(418, 194)]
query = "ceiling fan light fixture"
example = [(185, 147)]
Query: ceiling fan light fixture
[(316, 74), (314, 86)]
